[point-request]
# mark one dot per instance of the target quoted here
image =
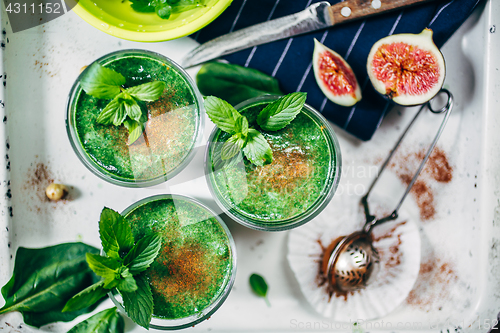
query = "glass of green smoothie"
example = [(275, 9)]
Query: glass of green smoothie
[(170, 126), (289, 191), (195, 270)]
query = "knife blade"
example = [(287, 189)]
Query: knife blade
[(318, 16)]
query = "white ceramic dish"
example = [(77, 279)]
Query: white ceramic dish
[(463, 239)]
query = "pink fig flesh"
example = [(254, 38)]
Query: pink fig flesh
[(334, 76), (406, 69)]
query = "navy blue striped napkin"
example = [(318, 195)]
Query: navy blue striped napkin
[(289, 60)]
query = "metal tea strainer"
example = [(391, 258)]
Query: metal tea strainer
[(354, 261)]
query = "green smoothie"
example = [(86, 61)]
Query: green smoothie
[(300, 176), (170, 131), (196, 259)]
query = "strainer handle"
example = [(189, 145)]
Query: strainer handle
[(371, 220)]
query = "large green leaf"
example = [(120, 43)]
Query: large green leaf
[(106, 321), (234, 83), (86, 297), (38, 319), (45, 279)]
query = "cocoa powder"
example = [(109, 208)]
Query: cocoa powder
[(436, 170), (433, 284), (438, 166), (424, 197), (40, 175), (38, 178), (395, 258), (392, 257)]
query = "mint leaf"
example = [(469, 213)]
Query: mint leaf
[(139, 304), (259, 286), (104, 267), (107, 115), (222, 114), (257, 149), (120, 115), (281, 112), (114, 113), (148, 92), (86, 297), (124, 105), (143, 6), (163, 10), (232, 146), (108, 320), (179, 6), (102, 82), (127, 283), (134, 130), (241, 125), (143, 253), (115, 233), (133, 110), (125, 272)]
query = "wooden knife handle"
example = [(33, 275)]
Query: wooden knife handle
[(350, 10)]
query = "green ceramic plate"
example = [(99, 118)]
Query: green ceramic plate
[(117, 18)]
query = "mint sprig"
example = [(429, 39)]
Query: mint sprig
[(122, 269), (105, 83), (165, 8), (274, 117)]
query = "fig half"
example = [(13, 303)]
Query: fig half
[(407, 68), (334, 76)]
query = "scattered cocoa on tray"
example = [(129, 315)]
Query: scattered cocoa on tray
[(436, 170)]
